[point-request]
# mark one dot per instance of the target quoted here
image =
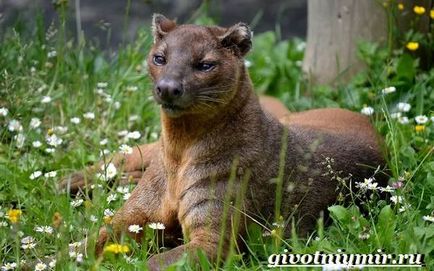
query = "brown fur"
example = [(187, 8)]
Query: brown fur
[(186, 181)]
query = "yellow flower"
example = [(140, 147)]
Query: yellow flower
[(412, 45), (117, 248), (419, 128), (431, 14), (401, 6), (14, 215), (419, 10), (107, 219)]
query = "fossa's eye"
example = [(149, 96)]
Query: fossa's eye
[(205, 66), (159, 60)]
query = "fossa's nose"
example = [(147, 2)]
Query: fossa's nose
[(168, 90)]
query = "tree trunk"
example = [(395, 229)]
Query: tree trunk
[(334, 29)]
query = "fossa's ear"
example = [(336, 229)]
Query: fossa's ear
[(161, 26), (238, 38)]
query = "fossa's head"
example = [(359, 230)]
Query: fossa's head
[(196, 69)]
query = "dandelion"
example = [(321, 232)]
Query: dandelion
[(20, 139), (156, 226), (112, 197), (428, 218), (117, 248), (421, 119), (35, 123), (396, 199), (53, 140), (35, 175), (46, 99), (431, 14), (15, 126), (89, 115), (50, 174), (134, 228), (412, 45), (28, 242), (4, 111), (401, 6), (14, 215), (9, 266), (76, 203), (44, 229), (134, 135), (419, 10), (125, 149), (388, 90)]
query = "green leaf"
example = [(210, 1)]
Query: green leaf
[(406, 68), (386, 226), (340, 214)]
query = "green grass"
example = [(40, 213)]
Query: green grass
[(29, 71)]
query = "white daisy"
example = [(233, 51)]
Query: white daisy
[(428, 218), (15, 125), (77, 203), (421, 119), (35, 175), (36, 144), (403, 107), (388, 90), (89, 115), (50, 174), (134, 228), (46, 99), (75, 120), (35, 123), (4, 111), (156, 226), (125, 149), (367, 110), (134, 135)]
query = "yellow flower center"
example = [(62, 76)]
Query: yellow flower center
[(401, 6), (431, 14)]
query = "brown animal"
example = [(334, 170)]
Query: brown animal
[(221, 160)]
